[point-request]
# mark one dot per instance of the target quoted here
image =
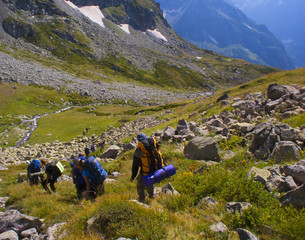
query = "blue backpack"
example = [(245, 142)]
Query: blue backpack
[(34, 166), (98, 172)]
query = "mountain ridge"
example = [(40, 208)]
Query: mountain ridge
[(221, 27)]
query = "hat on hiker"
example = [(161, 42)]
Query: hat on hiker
[(141, 136)]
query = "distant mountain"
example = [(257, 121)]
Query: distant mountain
[(284, 18), (221, 27), (124, 40)]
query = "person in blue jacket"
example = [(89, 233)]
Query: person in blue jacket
[(94, 176), (78, 179)]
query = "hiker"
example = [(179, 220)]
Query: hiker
[(33, 171), (148, 158), (78, 178), (87, 152), (94, 176), (53, 170), (92, 148)]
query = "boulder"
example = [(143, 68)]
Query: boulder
[(169, 190), (234, 207), (182, 128), (297, 172), (285, 151), (207, 201), (264, 138), (219, 227), (275, 91), (9, 235), (53, 230), (276, 183), (202, 148), (28, 233), (22, 177), (245, 234), (294, 197), (168, 133), (3, 167), (129, 146), (244, 127), (13, 219), (112, 152), (275, 105), (260, 175), (223, 97)]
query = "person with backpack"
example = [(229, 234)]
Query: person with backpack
[(148, 159), (94, 175), (77, 177), (87, 152), (33, 171), (53, 170)]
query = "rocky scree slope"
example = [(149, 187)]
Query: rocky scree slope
[(128, 37)]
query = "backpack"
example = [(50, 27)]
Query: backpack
[(56, 169), (98, 172), (155, 158), (34, 166)]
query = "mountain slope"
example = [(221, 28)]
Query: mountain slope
[(218, 26), (284, 18), (114, 41)]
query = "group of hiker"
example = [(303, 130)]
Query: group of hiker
[(88, 174)]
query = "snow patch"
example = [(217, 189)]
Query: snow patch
[(124, 27), (155, 33), (94, 13), (249, 27)]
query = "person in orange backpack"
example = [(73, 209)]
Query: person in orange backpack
[(148, 159)]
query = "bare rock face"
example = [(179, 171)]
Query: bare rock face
[(202, 148)]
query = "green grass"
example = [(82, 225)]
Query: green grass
[(67, 125)]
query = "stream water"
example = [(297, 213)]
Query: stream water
[(33, 125)]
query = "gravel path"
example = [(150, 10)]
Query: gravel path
[(25, 72)]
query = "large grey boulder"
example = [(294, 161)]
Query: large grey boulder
[(13, 219), (275, 91), (297, 172), (202, 148), (112, 151), (294, 197), (285, 151), (245, 234)]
